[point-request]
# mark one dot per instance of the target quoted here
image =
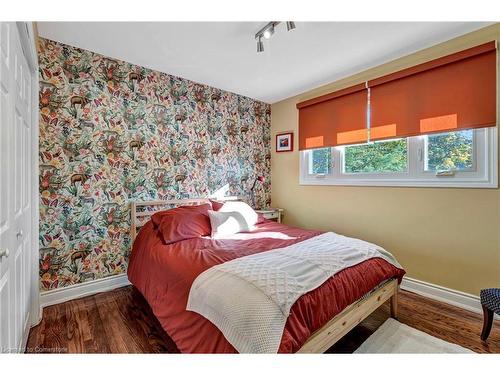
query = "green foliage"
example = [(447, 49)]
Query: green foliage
[(450, 151), (321, 160), (445, 151), (376, 157)]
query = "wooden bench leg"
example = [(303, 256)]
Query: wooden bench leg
[(394, 305), (487, 322)]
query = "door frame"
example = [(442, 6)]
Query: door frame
[(28, 34)]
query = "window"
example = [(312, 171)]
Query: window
[(464, 158), (450, 142)]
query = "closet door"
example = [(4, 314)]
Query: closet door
[(15, 190), (6, 189)]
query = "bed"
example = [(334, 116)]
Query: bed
[(164, 275)]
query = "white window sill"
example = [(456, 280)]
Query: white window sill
[(444, 182)]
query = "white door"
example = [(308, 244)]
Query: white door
[(15, 190)]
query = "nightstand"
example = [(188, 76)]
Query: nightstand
[(272, 213)]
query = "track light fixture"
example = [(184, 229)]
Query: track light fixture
[(267, 31)]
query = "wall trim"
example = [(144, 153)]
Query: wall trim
[(440, 293), (59, 295)]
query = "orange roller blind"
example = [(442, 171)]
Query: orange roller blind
[(452, 93), (334, 119)]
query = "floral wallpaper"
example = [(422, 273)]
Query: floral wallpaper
[(112, 132)]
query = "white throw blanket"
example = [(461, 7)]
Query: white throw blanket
[(249, 298)]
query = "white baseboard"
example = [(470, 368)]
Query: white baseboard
[(440, 293), (55, 296)]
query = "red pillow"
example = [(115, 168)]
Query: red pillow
[(216, 206), (182, 225), (201, 209)]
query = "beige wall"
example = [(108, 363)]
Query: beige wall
[(449, 237)]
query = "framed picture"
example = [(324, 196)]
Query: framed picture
[(284, 142)]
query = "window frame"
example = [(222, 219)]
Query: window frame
[(483, 175)]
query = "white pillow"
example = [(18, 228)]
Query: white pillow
[(244, 209), (227, 223)]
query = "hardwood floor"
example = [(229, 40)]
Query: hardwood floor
[(120, 321)]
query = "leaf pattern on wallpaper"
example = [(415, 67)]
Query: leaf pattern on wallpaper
[(111, 132)]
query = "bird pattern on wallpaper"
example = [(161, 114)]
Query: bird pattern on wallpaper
[(112, 132)]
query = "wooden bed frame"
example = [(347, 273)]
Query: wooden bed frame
[(331, 332)]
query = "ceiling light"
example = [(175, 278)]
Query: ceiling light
[(260, 46), (268, 32), (290, 25)]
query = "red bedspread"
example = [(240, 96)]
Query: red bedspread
[(164, 274)]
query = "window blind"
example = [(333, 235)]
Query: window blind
[(454, 92), (334, 119)]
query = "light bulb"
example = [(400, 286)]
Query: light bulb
[(268, 32)]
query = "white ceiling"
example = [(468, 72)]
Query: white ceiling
[(223, 54)]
